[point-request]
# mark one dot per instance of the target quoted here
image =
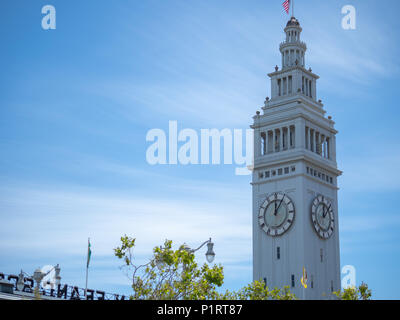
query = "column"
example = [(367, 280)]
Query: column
[(306, 88), (273, 140), (287, 58), (314, 89), (287, 85), (257, 142), (314, 141), (295, 140), (322, 146), (288, 138), (306, 138)]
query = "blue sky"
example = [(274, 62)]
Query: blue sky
[(77, 102)]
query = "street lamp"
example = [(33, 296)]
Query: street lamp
[(38, 276), (210, 254), (20, 282)]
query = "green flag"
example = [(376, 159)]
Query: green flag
[(89, 253)]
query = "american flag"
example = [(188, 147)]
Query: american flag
[(286, 6)]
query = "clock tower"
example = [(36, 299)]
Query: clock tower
[(295, 208)]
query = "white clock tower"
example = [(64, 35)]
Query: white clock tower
[(295, 208)]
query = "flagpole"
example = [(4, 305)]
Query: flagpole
[(292, 8), (87, 268)]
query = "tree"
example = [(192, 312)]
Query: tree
[(354, 293), (170, 274), (174, 275), (257, 290)]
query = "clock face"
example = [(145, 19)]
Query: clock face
[(276, 214), (322, 217)]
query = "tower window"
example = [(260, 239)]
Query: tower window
[(284, 86), (277, 138), (292, 136), (260, 175), (280, 172), (312, 281), (306, 87), (293, 281), (293, 168), (331, 285), (286, 170), (321, 254), (265, 282), (263, 143), (284, 136), (307, 138), (266, 174), (328, 155), (270, 138), (278, 253), (279, 87)]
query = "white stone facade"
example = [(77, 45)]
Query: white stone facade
[(295, 154)]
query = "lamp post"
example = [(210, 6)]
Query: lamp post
[(210, 254), (21, 282), (38, 276)]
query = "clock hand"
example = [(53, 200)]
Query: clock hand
[(276, 211), (323, 211), (326, 211)]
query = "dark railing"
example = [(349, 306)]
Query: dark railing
[(63, 291)]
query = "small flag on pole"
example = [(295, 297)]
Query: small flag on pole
[(89, 253), (286, 6), (304, 278)]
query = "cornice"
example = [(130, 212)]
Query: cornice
[(310, 73)]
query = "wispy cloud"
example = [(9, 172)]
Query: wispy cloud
[(68, 217), (375, 172)]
